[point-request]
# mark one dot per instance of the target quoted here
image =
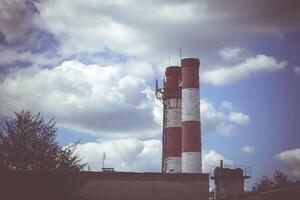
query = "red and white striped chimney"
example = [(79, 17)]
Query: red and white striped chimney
[(172, 100), (191, 131)]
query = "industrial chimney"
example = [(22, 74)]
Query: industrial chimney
[(172, 120), (191, 131)]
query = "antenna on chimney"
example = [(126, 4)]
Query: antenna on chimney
[(156, 87), (180, 53), (103, 160), (159, 92)]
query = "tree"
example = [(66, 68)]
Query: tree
[(280, 179), (265, 183), (27, 142)]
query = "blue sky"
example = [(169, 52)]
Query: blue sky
[(92, 65)]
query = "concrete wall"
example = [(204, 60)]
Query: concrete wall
[(23, 185), (291, 192), (228, 182), (146, 186), (39, 185)]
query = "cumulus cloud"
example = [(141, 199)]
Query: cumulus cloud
[(211, 159), (158, 113), (213, 119), (9, 56), (251, 66), (233, 54), (158, 27), (226, 129), (16, 16), (292, 159), (210, 117), (96, 22), (248, 149), (219, 121), (227, 105), (112, 100), (155, 34), (129, 154), (239, 118), (297, 70), (89, 98), (138, 68)]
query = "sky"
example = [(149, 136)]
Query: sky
[(92, 65)]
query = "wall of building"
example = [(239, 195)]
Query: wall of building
[(24, 185), (228, 182), (146, 186), (290, 192)]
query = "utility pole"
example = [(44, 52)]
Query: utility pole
[(103, 161)]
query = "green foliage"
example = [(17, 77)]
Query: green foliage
[(27, 142), (266, 183)]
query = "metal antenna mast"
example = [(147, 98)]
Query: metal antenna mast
[(180, 53), (159, 93), (103, 160)]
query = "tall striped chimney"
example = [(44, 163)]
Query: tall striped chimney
[(191, 131), (172, 101)]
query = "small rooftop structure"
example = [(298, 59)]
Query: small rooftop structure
[(229, 180), (290, 192), (106, 169)]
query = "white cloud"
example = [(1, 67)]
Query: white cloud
[(95, 22), (227, 105), (15, 17), (226, 129), (297, 70), (131, 154), (89, 98), (139, 68), (248, 149), (233, 53), (170, 12), (292, 159), (152, 36), (251, 66), (158, 113), (99, 99), (128, 154), (203, 27), (158, 26), (211, 159), (9, 56), (210, 117), (219, 121), (239, 118)]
